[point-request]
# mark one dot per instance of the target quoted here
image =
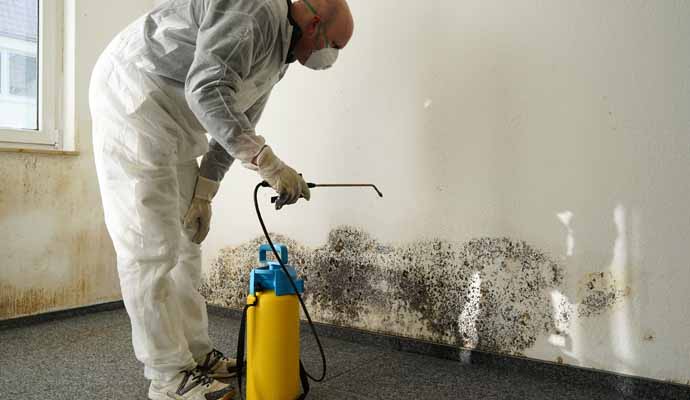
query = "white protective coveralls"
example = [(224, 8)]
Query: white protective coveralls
[(187, 68)]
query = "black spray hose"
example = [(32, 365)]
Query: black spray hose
[(292, 282)]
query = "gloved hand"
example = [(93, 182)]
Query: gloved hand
[(198, 215), (283, 179)]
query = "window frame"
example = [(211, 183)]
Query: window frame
[(50, 78)]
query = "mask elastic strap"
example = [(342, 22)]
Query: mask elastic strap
[(325, 39), (310, 7)]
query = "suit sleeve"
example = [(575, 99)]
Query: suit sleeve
[(227, 45), (217, 161)]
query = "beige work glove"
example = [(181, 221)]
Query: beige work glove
[(283, 179), (198, 216)]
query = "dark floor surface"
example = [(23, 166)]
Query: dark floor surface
[(91, 357)]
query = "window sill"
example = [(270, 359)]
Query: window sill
[(8, 149)]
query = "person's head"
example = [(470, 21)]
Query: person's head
[(325, 24)]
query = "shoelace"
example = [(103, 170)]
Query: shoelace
[(218, 355), (214, 358), (199, 375)]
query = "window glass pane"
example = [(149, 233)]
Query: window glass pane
[(19, 64), (23, 74)]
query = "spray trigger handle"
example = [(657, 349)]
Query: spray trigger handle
[(309, 185)]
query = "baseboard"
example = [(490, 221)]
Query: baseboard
[(60, 314), (635, 387)]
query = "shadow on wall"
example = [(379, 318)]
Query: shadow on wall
[(493, 294)]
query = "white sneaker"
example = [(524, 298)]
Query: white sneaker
[(217, 366), (191, 385)]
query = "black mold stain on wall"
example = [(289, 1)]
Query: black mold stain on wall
[(600, 292), (343, 275), (488, 293)]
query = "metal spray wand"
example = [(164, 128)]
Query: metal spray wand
[(316, 185)]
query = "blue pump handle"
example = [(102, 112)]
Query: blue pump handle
[(265, 249)]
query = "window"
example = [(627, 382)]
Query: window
[(23, 76), (30, 71)]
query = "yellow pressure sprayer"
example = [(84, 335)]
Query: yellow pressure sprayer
[(270, 323), (273, 330)]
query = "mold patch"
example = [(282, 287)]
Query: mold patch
[(489, 293), (599, 292)]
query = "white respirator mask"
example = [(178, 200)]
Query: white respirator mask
[(322, 59)]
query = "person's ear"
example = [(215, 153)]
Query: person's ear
[(313, 25)]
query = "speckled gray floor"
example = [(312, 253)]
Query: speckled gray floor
[(90, 357)]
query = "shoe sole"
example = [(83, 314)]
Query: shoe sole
[(228, 396), (159, 396), (223, 376)]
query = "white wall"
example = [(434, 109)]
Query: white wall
[(55, 251), (490, 118)]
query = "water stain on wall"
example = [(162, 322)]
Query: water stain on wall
[(16, 302), (78, 290), (489, 293), (56, 257)]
